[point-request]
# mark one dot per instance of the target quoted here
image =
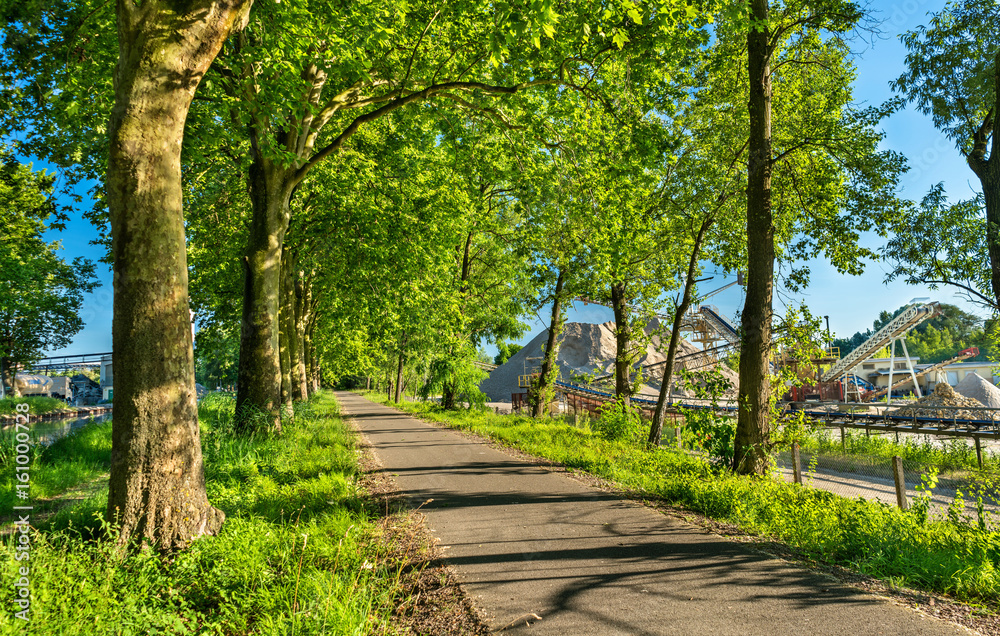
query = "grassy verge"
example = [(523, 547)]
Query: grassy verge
[(81, 456), (952, 555), (36, 405), (302, 551)]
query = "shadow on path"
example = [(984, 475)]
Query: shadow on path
[(529, 542)]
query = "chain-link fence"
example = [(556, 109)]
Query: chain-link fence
[(899, 467)]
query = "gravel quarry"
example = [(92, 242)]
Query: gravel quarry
[(588, 349)]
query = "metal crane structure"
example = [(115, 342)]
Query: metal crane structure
[(709, 325), (965, 354), (894, 331)]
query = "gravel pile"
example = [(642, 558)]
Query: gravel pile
[(980, 389), (943, 395), (586, 349)]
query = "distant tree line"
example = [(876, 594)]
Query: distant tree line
[(937, 339)]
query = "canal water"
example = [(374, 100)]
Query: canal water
[(47, 431)]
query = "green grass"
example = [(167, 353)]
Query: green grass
[(949, 555), (300, 551), (947, 455), (81, 456), (36, 405)]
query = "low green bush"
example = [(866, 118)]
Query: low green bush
[(37, 405)]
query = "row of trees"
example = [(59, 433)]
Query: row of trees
[(378, 188)]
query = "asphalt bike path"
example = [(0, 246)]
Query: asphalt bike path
[(541, 553)]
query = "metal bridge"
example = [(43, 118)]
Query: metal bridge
[(69, 362)]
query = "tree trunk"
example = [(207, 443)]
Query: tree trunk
[(623, 344), (8, 376), (656, 426), (157, 483), (988, 171), (314, 371), (753, 428), (991, 194), (258, 385), (399, 367), (285, 395), (284, 357), (448, 391), (289, 325), (542, 387), (307, 354), (300, 390)]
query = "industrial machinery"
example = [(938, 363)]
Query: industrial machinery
[(895, 330)]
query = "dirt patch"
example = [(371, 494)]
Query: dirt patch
[(432, 601)]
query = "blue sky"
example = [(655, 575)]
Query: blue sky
[(852, 302)]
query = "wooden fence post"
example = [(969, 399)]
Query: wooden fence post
[(979, 452), (796, 463), (897, 473)]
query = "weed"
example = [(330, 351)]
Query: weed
[(617, 421)]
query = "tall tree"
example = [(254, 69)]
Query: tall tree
[(157, 489), (40, 293), (57, 78), (812, 162), (953, 75), (157, 485)]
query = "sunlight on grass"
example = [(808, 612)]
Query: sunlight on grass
[(299, 552)]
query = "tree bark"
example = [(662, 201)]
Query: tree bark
[(307, 354), (314, 371), (656, 426), (988, 171), (623, 344), (991, 195), (753, 428), (300, 390), (543, 385), (8, 376), (258, 385), (157, 483), (284, 339), (288, 315), (399, 367)]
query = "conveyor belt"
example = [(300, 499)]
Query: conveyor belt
[(985, 428)]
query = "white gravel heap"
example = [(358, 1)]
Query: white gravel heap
[(586, 348), (978, 388)]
